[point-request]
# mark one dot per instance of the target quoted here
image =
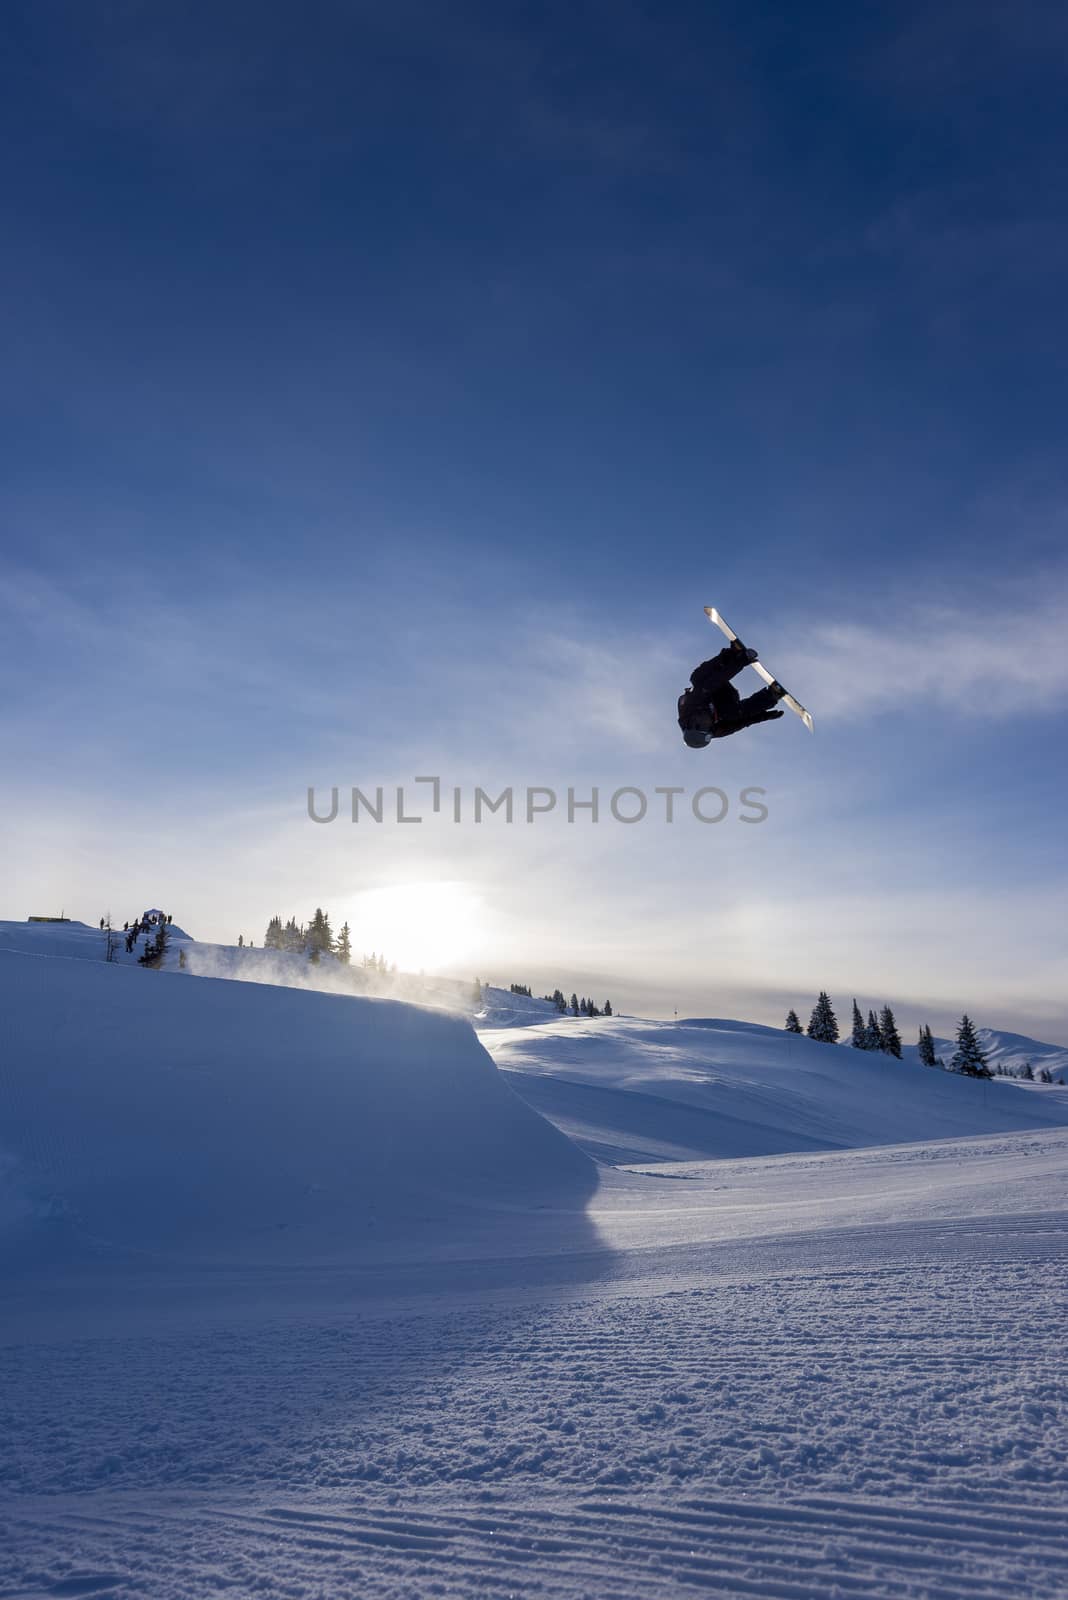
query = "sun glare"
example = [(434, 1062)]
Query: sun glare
[(421, 926)]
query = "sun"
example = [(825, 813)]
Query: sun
[(423, 927)]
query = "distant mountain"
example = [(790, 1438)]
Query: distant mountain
[(1014, 1050)]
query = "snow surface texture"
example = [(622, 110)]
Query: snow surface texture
[(638, 1092), (833, 1372)]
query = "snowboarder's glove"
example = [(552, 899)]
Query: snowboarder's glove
[(770, 716)]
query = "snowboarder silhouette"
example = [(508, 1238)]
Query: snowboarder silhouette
[(711, 708)]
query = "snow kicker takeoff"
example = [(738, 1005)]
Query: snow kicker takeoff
[(711, 708)]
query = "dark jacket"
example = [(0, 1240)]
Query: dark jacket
[(713, 703)]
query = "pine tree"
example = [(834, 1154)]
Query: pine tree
[(608, 1008), (319, 939), (476, 991), (823, 1024), (793, 1022), (1028, 1073), (926, 1048), (155, 949), (969, 1057), (873, 1039), (574, 1005), (240, 941), (344, 945), (889, 1034), (273, 938), (857, 1039)]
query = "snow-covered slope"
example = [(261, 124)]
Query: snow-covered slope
[(282, 968), (156, 1107), (836, 1372), (503, 1009), (78, 941), (637, 1091)]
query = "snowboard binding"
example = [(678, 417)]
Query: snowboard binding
[(773, 684)]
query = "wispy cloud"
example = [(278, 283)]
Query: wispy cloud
[(989, 662), (604, 688)]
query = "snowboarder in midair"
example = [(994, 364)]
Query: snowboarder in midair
[(711, 708)]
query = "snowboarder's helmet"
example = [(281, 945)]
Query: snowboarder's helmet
[(696, 738)]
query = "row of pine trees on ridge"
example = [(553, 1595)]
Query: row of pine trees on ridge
[(574, 1007), (881, 1033), (316, 940)]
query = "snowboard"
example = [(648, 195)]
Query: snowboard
[(773, 683)]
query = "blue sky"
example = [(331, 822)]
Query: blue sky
[(386, 390)]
